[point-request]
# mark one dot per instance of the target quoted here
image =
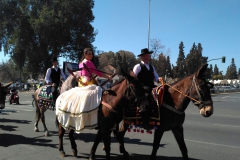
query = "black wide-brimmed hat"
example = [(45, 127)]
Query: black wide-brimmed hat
[(54, 59), (145, 51)]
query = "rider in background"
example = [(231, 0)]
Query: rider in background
[(12, 91), (53, 76), (146, 74), (40, 85)]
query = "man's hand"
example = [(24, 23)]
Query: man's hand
[(160, 79)]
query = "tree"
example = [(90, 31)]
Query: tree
[(215, 70), (179, 70), (122, 59), (195, 59), (38, 30), (231, 71)]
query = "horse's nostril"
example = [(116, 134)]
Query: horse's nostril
[(208, 113)]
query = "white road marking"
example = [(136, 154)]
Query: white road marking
[(225, 125), (215, 144)]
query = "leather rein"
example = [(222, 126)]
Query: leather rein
[(130, 87), (199, 102)]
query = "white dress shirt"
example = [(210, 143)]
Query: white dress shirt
[(137, 69), (49, 71)]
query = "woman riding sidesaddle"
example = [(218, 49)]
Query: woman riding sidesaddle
[(77, 108)]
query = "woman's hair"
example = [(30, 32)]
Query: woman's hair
[(85, 52)]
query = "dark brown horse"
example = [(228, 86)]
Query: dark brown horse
[(3, 94), (177, 97), (126, 91)]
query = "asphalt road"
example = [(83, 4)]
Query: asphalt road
[(213, 138)]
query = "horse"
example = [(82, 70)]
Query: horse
[(3, 94), (176, 99), (43, 101), (110, 111), (118, 134)]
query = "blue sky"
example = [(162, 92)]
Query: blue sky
[(123, 25)]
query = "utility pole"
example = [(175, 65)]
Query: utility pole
[(148, 22)]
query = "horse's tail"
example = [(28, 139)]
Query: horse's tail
[(56, 122)]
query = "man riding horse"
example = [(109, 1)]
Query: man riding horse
[(53, 76), (146, 74)]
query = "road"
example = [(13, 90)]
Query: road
[(216, 137)]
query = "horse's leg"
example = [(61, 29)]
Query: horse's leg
[(156, 142), (73, 143), (178, 134), (37, 117), (106, 140), (61, 132), (43, 122), (120, 137), (97, 140)]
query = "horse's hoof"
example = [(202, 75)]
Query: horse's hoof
[(46, 134), (153, 157), (92, 156), (74, 152), (62, 154), (36, 129), (126, 155)]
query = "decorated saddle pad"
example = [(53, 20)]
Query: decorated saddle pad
[(46, 98), (133, 117), (77, 108)]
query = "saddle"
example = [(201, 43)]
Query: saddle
[(46, 97), (133, 117)]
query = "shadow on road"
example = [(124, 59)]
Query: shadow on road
[(7, 140), (133, 157)]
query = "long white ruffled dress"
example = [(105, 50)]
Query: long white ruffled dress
[(77, 108)]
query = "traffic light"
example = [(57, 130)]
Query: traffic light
[(223, 59)]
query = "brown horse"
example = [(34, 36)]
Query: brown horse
[(177, 97), (41, 109), (3, 94), (118, 134), (124, 92)]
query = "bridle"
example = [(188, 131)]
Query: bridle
[(130, 88), (200, 103)]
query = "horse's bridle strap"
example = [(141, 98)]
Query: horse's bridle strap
[(171, 108), (108, 106), (183, 93)]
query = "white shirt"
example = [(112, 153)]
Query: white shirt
[(49, 71), (137, 69)]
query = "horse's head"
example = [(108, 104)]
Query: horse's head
[(200, 91), (3, 94), (69, 83), (135, 91)]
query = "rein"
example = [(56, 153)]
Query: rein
[(110, 107), (196, 101)]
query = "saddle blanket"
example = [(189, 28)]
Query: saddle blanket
[(46, 98), (77, 108)]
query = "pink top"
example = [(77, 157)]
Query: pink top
[(91, 67)]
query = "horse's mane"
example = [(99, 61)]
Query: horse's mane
[(110, 91), (178, 81)]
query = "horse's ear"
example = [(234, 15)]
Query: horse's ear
[(200, 72), (130, 78)]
